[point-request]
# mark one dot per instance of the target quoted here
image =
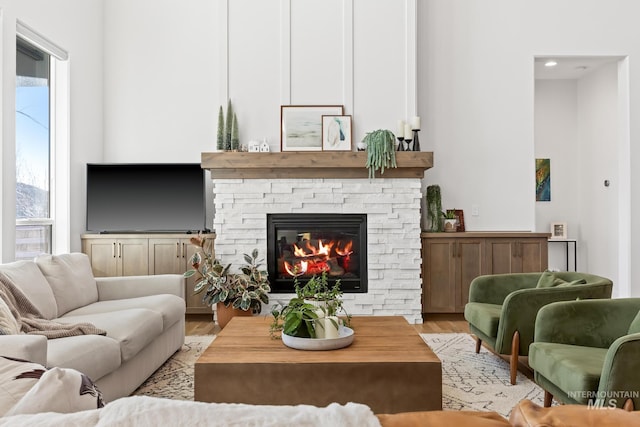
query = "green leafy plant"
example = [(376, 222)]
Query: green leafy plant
[(381, 151), (246, 290), (297, 317), (434, 207), (449, 214)]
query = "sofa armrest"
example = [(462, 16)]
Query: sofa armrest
[(520, 309), (619, 379), (110, 288), (26, 347), (494, 288), (588, 323)]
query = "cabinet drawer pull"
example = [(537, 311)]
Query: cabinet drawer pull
[(113, 250), (178, 254)]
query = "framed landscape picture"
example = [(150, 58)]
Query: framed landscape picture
[(336, 133), (301, 126)]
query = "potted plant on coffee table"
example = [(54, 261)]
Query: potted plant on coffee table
[(313, 312), (241, 293)]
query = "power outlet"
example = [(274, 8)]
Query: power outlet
[(475, 210)]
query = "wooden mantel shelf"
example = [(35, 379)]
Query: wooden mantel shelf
[(411, 164)]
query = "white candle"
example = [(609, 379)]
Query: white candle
[(331, 327), (408, 134), (400, 129), (415, 122)]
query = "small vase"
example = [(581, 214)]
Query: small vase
[(224, 314)]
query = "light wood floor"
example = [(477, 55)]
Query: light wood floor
[(201, 324)]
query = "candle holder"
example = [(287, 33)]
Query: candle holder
[(416, 141), (408, 141), (400, 143)]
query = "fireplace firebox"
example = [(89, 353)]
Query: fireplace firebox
[(303, 245)]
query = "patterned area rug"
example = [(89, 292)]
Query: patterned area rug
[(478, 382), (174, 379), (470, 381)]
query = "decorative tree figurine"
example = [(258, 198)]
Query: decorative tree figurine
[(235, 141), (220, 139), (228, 125)]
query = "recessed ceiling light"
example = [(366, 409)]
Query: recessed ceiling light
[(550, 63)]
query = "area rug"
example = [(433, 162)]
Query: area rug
[(470, 381), (174, 379), (478, 382)]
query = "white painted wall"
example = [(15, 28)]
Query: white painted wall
[(76, 26), (476, 96), (556, 138), (597, 103)]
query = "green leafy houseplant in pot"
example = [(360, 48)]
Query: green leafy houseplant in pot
[(381, 151), (243, 292), (312, 311), (450, 221)]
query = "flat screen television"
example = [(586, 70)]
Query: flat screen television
[(145, 198)]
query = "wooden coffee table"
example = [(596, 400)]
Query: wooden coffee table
[(387, 367)]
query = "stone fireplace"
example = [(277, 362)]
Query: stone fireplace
[(390, 206)]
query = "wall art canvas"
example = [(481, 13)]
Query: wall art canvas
[(301, 126), (543, 180), (336, 133)]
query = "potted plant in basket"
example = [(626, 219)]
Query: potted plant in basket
[(450, 221), (240, 293), (313, 312)]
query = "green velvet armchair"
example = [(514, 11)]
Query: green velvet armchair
[(502, 308), (588, 352)]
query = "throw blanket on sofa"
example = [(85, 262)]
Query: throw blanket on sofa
[(31, 320)]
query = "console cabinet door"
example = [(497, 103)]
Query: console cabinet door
[(171, 256), (103, 256), (470, 254), (132, 257), (525, 255), (439, 276)]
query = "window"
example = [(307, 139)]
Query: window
[(41, 146)]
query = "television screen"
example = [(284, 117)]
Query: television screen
[(145, 197)]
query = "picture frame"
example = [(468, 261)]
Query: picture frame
[(460, 218), (336, 133), (558, 230), (301, 126)]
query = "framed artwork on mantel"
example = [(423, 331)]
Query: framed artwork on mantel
[(336, 133), (301, 126)]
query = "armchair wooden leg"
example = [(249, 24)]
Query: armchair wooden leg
[(548, 397), (628, 405), (513, 360), (478, 345)]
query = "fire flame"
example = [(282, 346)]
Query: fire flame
[(315, 258)]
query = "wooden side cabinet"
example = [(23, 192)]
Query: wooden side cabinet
[(449, 266), (450, 261), (143, 254)]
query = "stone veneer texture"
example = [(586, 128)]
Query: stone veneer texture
[(392, 206)]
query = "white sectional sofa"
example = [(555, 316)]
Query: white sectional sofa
[(142, 315)]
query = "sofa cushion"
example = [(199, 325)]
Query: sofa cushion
[(60, 390), (133, 328), (572, 368), (71, 279), (548, 279), (27, 276), (8, 323), (93, 355), (16, 379), (170, 307), (483, 316)]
